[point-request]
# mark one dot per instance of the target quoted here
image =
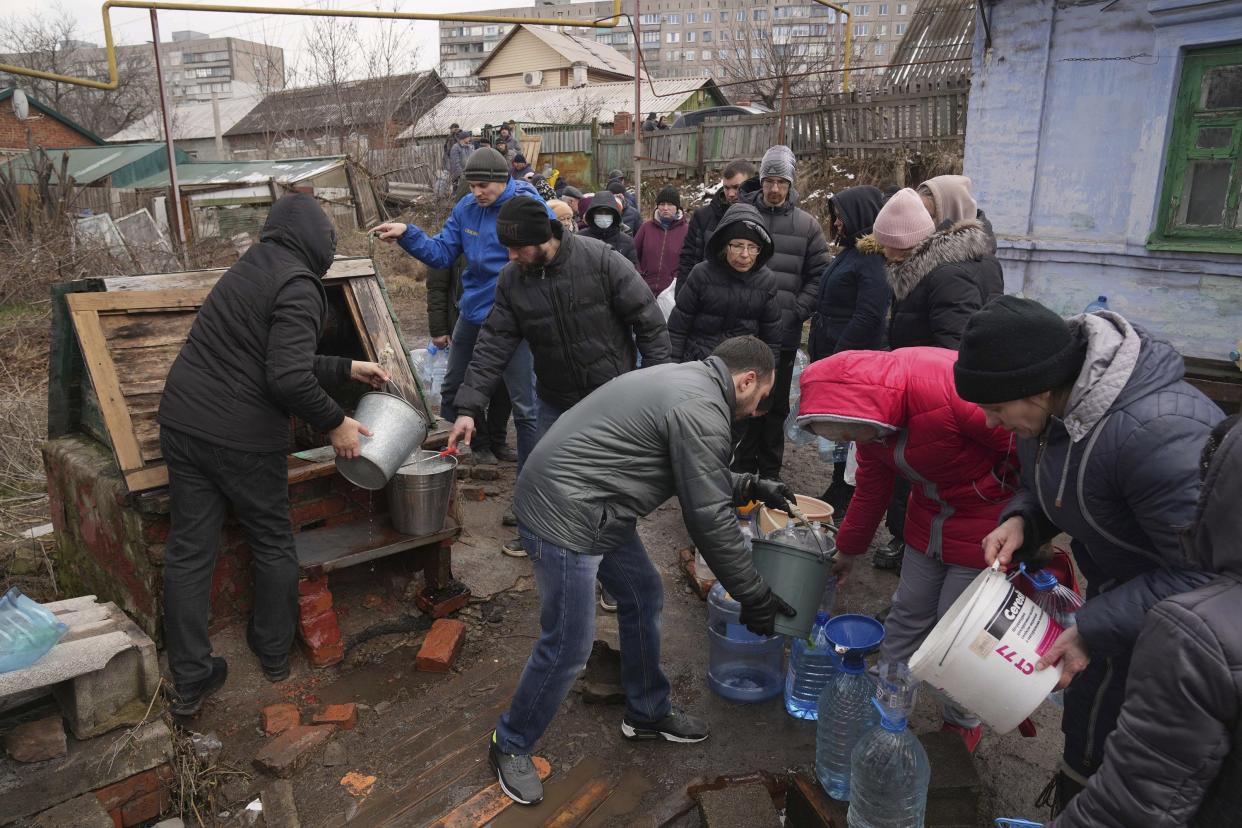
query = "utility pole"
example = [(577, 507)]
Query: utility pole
[(638, 110), (174, 214)]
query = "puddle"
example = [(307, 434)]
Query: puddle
[(562, 788)]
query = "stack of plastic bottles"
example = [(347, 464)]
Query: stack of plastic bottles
[(27, 631), (845, 705), (431, 363), (889, 770), (1060, 603)]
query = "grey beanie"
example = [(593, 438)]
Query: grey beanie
[(778, 162), (486, 165)]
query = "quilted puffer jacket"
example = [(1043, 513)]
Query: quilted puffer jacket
[(963, 471)]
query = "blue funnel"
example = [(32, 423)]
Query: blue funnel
[(853, 636)]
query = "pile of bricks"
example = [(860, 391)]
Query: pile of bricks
[(318, 623), (140, 798)]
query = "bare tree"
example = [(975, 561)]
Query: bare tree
[(765, 60)]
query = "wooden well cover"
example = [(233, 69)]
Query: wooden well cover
[(131, 334)]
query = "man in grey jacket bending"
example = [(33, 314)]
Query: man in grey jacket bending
[(611, 459)]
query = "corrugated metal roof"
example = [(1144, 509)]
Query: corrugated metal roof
[(190, 121), (126, 163), (551, 106), (575, 49), (357, 103), (941, 33), (208, 173)]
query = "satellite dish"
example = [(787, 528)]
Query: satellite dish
[(21, 107)]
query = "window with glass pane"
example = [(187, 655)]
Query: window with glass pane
[(1203, 170)]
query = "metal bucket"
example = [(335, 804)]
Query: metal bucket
[(399, 430), (420, 491), (796, 575)]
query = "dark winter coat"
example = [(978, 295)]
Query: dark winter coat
[(443, 293), (623, 451), (658, 249), (631, 219), (699, 226), (718, 302), (1176, 756), (615, 236), (945, 279), (963, 472), (801, 256), (581, 314), (249, 361), (987, 228), (852, 310), (1120, 475)]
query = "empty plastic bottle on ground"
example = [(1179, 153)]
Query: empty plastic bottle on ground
[(812, 663), (1060, 603), (845, 705), (742, 666), (27, 631), (889, 770), (1100, 303), (432, 365)]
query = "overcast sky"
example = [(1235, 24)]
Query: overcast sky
[(134, 25)]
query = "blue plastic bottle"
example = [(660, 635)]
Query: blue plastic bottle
[(1100, 303), (812, 663), (845, 708), (27, 631), (889, 770)]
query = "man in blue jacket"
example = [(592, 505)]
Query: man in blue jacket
[(471, 230)]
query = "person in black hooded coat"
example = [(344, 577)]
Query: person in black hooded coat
[(730, 293), (603, 211)]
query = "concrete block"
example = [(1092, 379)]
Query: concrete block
[(279, 808), (955, 789), (82, 812), (291, 750), (277, 718), (441, 646), (344, 716), (37, 741), (738, 806), (88, 766)]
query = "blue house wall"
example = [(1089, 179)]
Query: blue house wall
[(1066, 150)]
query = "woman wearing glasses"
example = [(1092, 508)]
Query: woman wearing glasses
[(902, 411), (730, 293)]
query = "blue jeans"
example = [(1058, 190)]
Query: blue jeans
[(546, 415), (566, 583), (519, 378)]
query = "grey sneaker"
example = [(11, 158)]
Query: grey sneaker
[(513, 548), (509, 518), (516, 774), (606, 602), (677, 726)]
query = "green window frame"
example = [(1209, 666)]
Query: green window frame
[(1203, 171)]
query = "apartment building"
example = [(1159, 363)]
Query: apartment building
[(695, 38)]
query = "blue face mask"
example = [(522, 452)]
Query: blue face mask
[(602, 220)]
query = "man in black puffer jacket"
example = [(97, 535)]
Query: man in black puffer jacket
[(603, 222), (248, 364), (705, 217), (801, 256), (581, 307)]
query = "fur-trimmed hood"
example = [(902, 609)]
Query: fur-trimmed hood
[(965, 241)]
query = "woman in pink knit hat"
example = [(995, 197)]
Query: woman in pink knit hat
[(939, 278)]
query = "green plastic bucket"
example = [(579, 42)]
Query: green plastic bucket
[(798, 576)]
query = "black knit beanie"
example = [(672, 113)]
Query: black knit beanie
[(746, 231), (486, 165), (523, 221), (669, 195), (1015, 348), (616, 188)]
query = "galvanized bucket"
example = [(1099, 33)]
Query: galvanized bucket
[(797, 575), (420, 491), (399, 430)]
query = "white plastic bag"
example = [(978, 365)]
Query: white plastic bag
[(666, 300), (851, 465)]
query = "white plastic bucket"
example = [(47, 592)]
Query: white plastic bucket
[(982, 653)]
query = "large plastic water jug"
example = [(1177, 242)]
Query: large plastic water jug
[(27, 631), (1100, 303), (431, 363), (742, 666), (795, 433), (889, 770), (812, 664), (845, 708)]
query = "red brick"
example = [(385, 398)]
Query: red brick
[(277, 718), (47, 132), (312, 586), (320, 630), (117, 794), (475, 493), (289, 751), (317, 603), (144, 808), (325, 655), (38, 741), (426, 602), (344, 716), (441, 646)]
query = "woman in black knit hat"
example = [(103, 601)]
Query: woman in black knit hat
[(659, 240), (1109, 435)]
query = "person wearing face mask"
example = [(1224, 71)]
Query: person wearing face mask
[(730, 294), (902, 411), (705, 217), (659, 241), (612, 459), (603, 223), (1108, 433)]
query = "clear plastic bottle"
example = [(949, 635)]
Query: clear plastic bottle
[(27, 631), (826, 449), (845, 711), (1060, 603), (812, 663), (793, 432), (431, 363), (741, 666), (889, 769), (1100, 303)]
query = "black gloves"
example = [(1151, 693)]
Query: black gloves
[(759, 616), (773, 493)]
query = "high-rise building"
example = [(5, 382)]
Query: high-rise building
[(723, 39)]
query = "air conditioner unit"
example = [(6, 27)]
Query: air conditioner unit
[(579, 75), (534, 78)]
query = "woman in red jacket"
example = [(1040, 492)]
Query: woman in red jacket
[(901, 409)]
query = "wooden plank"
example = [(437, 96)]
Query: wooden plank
[(65, 386), (386, 343), (145, 364), (344, 267), (107, 386), (191, 298), (586, 800), (487, 804), (352, 303), (142, 329), (151, 477)]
